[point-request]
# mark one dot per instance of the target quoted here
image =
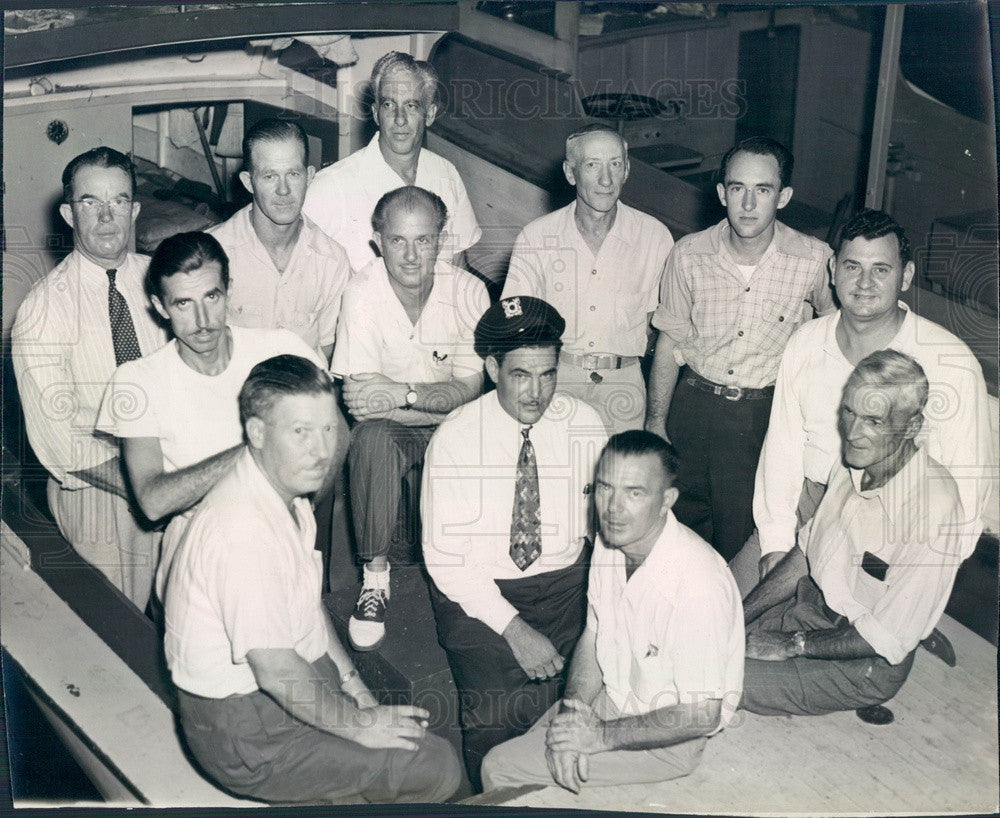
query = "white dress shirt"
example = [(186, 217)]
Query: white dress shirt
[(247, 576), (63, 358), (467, 498), (342, 198), (802, 439), (305, 298), (672, 633), (376, 335), (605, 298), (912, 525)]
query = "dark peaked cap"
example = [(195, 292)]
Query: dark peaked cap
[(520, 321)]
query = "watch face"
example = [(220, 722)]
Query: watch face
[(411, 397)]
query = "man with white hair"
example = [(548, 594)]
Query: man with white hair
[(598, 262), (342, 197)]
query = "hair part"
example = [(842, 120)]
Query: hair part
[(573, 144), (401, 61), (274, 130), (279, 377), (762, 146), (874, 224), (182, 253), (891, 369), (638, 442), (409, 198), (101, 157)]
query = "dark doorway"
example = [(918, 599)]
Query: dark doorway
[(769, 73)]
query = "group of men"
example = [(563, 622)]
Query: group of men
[(786, 551)]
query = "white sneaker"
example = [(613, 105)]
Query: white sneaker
[(366, 627)]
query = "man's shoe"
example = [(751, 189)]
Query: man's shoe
[(939, 644), (366, 627)]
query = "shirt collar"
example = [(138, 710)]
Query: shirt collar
[(893, 493), (255, 483), (830, 338), (90, 271), (617, 231)]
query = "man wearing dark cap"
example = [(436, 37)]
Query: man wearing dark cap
[(505, 502)]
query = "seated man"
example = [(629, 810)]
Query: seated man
[(659, 667), (883, 547), (270, 703), (175, 410), (505, 503), (870, 270), (404, 348)]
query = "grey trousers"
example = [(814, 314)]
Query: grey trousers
[(810, 687), (522, 760), (254, 748)]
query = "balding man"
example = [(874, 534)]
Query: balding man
[(835, 624), (598, 262), (342, 197)]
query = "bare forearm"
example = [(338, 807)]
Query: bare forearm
[(663, 727), (441, 398), (776, 587), (106, 476), (662, 381), (172, 492), (584, 679)]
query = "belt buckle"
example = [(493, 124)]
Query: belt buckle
[(732, 392)]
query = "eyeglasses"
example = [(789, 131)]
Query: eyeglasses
[(119, 206)]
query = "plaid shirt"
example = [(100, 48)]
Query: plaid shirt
[(730, 331)]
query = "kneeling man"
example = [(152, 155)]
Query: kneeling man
[(659, 667), (883, 548), (271, 706)]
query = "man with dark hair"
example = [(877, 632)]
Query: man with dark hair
[(74, 326), (404, 348), (343, 195), (270, 703), (870, 270), (731, 297), (504, 504), (598, 262), (659, 666), (175, 410), (834, 625), (288, 274)]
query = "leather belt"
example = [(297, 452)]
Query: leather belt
[(692, 378), (598, 361)]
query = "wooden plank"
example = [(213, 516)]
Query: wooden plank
[(115, 715), (938, 756)]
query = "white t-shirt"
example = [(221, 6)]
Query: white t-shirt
[(194, 416)]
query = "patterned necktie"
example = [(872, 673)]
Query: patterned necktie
[(122, 328), (526, 522)]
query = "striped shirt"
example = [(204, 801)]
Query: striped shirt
[(63, 358), (727, 329)]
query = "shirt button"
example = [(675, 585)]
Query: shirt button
[(747, 290), (593, 308), (593, 272), (730, 372), (740, 333), (590, 344), (781, 318)]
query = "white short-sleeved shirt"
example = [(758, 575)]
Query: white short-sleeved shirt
[(375, 333), (246, 577), (605, 298), (342, 198), (305, 298), (673, 633), (802, 439), (911, 525), (467, 497), (194, 416)]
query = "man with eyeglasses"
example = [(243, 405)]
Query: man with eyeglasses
[(74, 327)]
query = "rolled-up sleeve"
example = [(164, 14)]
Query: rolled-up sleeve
[(673, 314)]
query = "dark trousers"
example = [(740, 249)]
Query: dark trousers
[(381, 453), (811, 687), (497, 700), (254, 748), (718, 442)]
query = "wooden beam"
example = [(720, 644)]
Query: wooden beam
[(888, 71)]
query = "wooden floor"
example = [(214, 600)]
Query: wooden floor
[(938, 756)]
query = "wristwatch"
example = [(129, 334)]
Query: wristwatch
[(799, 641), (411, 397), (351, 674)]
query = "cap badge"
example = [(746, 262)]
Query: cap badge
[(511, 307)]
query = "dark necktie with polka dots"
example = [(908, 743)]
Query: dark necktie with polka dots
[(526, 520), (122, 328)]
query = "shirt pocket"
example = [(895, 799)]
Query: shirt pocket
[(300, 319), (630, 310), (246, 315), (785, 312)]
